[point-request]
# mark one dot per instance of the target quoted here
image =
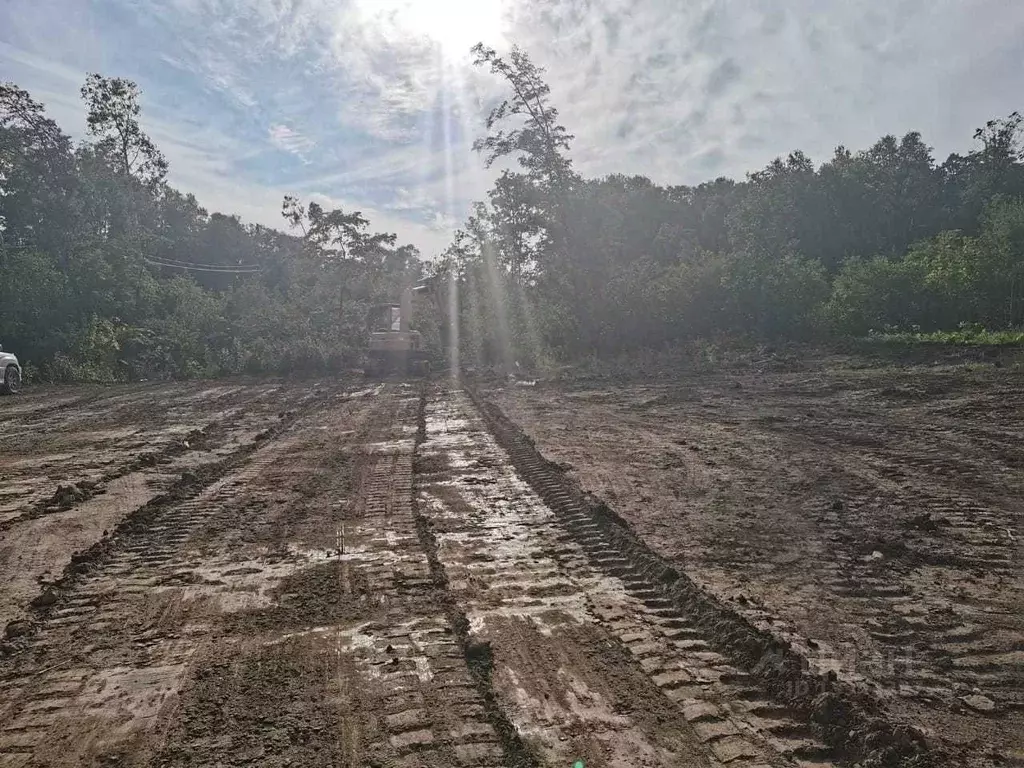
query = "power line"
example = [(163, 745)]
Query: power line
[(179, 262), (245, 269), (195, 268)]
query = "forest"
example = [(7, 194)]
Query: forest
[(108, 273)]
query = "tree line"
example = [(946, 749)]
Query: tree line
[(109, 273), (872, 241)]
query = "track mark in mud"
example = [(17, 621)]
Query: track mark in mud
[(923, 555), (586, 662), (830, 520), (70, 496), (946, 648), (146, 435), (105, 656), (478, 656), (221, 629), (78, 530), (411, 683), (751, 682)]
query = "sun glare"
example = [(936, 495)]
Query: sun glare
[(454, 25)]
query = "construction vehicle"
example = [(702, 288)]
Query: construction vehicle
[(396, 349)]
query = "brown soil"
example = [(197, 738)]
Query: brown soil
[(393, 575), (77, 461), (871, 517), (274, 607)]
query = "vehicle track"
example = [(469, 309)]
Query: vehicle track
[(415, 672), (396, 577), (582, 644), (197, 634), (759, 685), (81, 458), (103, 480), (95, 656), (870, 517), (930, 647)]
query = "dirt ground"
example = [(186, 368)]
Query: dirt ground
[(872, 516), (790, 569), (77, 460)]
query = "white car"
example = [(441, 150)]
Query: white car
[(10, 373)]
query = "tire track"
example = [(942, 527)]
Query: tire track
[(791, 706), (84, 478), (412, 668), (92, 659), (197, 635), (477, 656), (582, 643), (928, 646)]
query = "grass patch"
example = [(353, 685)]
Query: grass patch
[(968, 335)]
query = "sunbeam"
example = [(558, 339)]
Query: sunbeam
[(453, 25), (448, 83)]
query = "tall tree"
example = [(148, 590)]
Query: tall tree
[(350, 260), (341, 236), (26, 127), (538, 139), (37, 176), (113, 112), (996, 168), (518, 221)]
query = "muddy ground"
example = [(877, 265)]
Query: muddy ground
[(76, 460), (872, 515), (785, 570)]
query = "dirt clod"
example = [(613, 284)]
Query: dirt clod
[(17, 628), (979, 703), (66, 496), (46, 599)]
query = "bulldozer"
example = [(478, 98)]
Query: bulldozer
[(395, 349)]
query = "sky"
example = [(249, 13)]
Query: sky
[(373, 105)]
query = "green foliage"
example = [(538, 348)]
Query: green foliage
[(108, 274), (113, 111), (967, 335), (772, 297), (941, 283), (536, 137), (876, 293), (875, 240), (31, 294)]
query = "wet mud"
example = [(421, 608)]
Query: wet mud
[(421, 575)]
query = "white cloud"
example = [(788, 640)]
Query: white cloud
[(290, 140), (378, 100), (444, 223), (686, 91)]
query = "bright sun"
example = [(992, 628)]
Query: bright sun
[(454, 25)]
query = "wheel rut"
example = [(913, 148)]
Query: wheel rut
[(530, 557), (283, 614), (396, 577), (96, 653)]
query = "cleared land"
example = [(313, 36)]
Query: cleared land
[(872, 516), (783, 569)]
